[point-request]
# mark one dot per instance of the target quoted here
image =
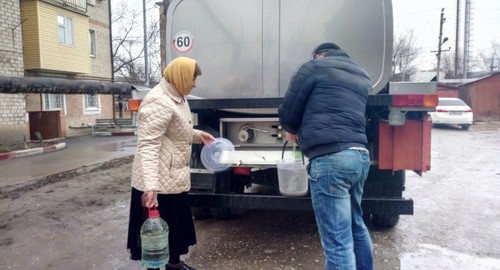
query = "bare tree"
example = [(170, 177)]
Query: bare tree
[(128, 45), (155, 69), (490, 60), (404, 54), (448, 65)]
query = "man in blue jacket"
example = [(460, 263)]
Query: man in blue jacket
[(324, 110)]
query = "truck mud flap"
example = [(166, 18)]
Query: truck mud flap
[(388, 206)]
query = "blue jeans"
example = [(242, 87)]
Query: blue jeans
[(336, 182)]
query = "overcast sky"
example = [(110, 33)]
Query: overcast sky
[(423, 16)]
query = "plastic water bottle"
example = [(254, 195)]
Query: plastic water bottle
[(154, 241), (297, 154)]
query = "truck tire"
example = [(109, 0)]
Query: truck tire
[(385, 221), (201, 213), (465, 127)]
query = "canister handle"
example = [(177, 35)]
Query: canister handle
[(283, 152)]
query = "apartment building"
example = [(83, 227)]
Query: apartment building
[(67, 39)]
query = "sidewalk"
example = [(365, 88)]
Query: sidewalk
[(81, 155)]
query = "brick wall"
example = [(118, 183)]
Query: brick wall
[(99, 22), (13, 126), (76, 117), (101, 69)]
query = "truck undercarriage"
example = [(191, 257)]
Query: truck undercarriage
[(254, 185)]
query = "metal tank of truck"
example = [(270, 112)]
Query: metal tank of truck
[(248, 51)]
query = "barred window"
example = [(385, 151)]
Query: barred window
[(91, 103), (53, 101)]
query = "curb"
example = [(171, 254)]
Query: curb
[(115, 133), (32, 151), (34, 183)]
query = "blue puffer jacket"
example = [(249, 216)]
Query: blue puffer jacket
[(325, 105)]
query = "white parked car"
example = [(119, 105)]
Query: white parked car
[(452, 111)]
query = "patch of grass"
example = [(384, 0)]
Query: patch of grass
[(12, 147)]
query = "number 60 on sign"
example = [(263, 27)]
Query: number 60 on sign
[(183, 41)]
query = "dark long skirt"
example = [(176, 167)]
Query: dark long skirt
[(175, 210)]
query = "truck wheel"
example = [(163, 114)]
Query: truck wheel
[(201, 212), (465, 127), (223, 213), (385, 221)]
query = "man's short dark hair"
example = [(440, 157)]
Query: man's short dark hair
[(325, 47)]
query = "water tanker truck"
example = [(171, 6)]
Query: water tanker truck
[(248, 52)]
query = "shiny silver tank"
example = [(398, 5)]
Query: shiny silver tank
[(250, 49)]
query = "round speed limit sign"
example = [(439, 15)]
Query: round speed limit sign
[(183, 41)]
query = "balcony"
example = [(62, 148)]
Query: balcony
[(78, 4), (44, 49)]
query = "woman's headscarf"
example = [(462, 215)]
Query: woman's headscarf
[(180, 74)]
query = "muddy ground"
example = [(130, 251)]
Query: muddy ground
[(81, 223)]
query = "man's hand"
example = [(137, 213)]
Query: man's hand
[(291, 137)]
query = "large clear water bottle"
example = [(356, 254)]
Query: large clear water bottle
[(154, 241)]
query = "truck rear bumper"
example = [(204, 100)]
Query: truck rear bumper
[(386, 206)]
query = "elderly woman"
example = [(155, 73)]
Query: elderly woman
[(161, 163)]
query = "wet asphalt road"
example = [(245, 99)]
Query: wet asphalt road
[(456, 224), (81, 223)]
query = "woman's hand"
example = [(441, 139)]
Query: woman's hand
[(149, 199), (206, 138)]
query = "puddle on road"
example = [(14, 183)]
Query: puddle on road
[(121, 146), (436, 257)]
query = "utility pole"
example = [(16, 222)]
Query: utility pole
[(146, 56), (163, 35), (466, 38), (441, 42), (457, 39)]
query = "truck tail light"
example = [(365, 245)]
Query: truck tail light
[(133, 104), (245, 171), (441, 110), (428, 100)]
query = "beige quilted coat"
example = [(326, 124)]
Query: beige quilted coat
[(165, 135)]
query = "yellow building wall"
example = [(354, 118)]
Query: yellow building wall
[(53, 56), (31, 42)]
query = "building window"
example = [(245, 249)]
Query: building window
[(53, 102), (92, 42), (65, 30), (91, 104)]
